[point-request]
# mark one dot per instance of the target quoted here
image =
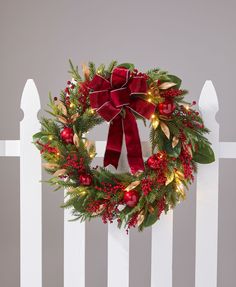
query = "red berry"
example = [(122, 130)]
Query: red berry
[(85, 179), (131, 198), (67, 135), (68, 82)]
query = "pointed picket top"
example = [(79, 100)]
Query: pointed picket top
[(208, 92), (30, 101)]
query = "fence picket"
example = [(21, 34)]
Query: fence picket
[(162, 251), (118, 257), (207, 197), (74, 252), (118, 241), (30, 192)]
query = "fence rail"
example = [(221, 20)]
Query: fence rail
[(118, 242)]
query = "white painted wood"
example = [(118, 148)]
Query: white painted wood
[(30, 192), (118, 257), (74, 252), (227, 150), (118, 242), (10, 148), (207, 197), (162, 251)]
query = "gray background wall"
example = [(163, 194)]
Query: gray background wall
[(193, 39)]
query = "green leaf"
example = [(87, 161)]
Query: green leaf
[(127, 66), (176, 80), (204, 153), (37, 136), (175, 152), (151, 218)]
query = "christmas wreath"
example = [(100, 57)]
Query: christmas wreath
[(121, 95)]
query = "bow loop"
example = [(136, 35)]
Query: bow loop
[(119, 77), (99, 83), (108, 98), (138, 85)]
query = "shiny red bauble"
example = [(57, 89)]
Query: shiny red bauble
[(166, 108), (85, 179), (67, 135), (131, 198), (153, 162)]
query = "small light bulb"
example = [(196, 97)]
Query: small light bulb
[(153, 116), (187, 107), (149, 100), (92, 111), (72, 105), (50, 138), (91, 155), (58, 153), (149, 92)]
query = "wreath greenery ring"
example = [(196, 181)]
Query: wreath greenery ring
[(120, 94)]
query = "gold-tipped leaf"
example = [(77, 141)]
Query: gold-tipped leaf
[(169, 178), (59, 172), (62, 120), (165, 129), (133, 185), (175, 141), (61, 107), (166, 85), (76, 140), (48, 165)]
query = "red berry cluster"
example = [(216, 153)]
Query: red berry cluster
[(158, 161), (47, 148), (147, 185), (171, 93), (72, 161), (136, 73), (109, 189), (132, 222)]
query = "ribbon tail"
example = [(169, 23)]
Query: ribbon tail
[(133, 144), (114, 142)]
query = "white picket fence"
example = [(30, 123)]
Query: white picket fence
[(118, 242)]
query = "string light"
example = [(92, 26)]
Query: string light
[(149, 100), (58, 153), (92, 111), (50, 138), (72, 105), (187, 107), (149, 93), (153, 116)]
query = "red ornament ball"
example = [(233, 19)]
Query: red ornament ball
[(131, 198), (157, 161), (153, 162), (67, 135), (166, 108), (85, 179)]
